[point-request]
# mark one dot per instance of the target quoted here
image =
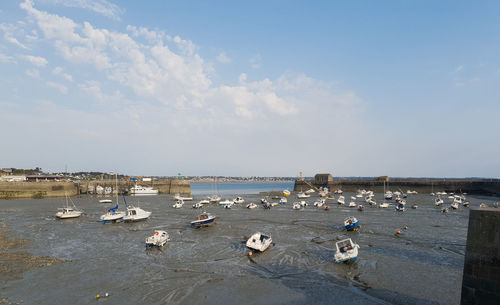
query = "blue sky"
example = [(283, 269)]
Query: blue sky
[(266, 88)]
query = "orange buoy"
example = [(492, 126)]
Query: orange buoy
[(250, 253), (398, 232), (215, 222)]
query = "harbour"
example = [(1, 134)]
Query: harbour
[(422, 265)]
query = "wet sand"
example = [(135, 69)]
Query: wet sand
[(423, 265)]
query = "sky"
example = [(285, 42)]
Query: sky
[(251, 88)]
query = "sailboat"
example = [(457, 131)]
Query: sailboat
[(384, 204), (113, 215), (68, 211), (215, 198)]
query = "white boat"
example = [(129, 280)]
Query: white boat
[(179, 204), (383, 205), (303, 203), (296, 206), (346, 251), (339, 192), (135, 214), (352, 204), (179, 197), (113, 215), (225, 202), (68, 211), (204, 219), (303, 195), (214, 198), (438, 201), (454, 204), (341, 200), (388, 195), (310, 191), (358, 196), (251, 206), (400, 207), (319, 203), (239, 200), (351, 223), (286, 193), (198, 205), (228, 206), (283, 200), (158, 239), (397, 193), (143, 190), (273, 204), (259, 242), (105, 201), (353, 198)]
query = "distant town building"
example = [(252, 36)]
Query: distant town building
[(38, 178), (382, 178), (11, 178), (323, 178)]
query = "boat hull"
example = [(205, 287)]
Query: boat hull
[(352, 226), (202, 223)]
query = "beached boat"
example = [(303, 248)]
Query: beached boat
[(438, 201), (68, 211), (239, 200), (360, 207), (214, 198), (454, 204), (352, 204), (351, 223), (143, 190), (204, 219), (259, 242), (283, 200), (303, 203), (228, 206), (112, 215), (341, 200), (251, 206), (105, 201), (180, 197), (158, 239), (198, 205), (346, 251), (303, 195), (225, 202), (353, 198), (339, 192), (179, 204), (133, 214), (296, 206), (286, 193), (383, 205), (388, 195), (400, 207)]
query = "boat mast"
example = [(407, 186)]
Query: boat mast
[(116, 183)]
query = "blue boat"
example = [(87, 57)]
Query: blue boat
[(204, 219), (351, 223)]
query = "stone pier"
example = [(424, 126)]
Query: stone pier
[(481, 279)]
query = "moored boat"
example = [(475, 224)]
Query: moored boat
[(351, 223), (143, 190), (251, 206), (68, 211), (204, 219), (133, 214), (158, 239), (259, 242), (347, 250)]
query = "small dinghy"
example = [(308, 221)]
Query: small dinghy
[(105, 201), (198, 205), (341, 200), (225, 202), (415, 206), (346, 251), (259, 242), (286, 193), (384, 205), (438, 201), (319, 203), (283, 200), (352, 204), (303, 203), (158, 239), (303, 195), (229, 205), (360, 207), (251, 206), (400, 207), (204, 219), (296, 206), (238, 200), (351, 223)]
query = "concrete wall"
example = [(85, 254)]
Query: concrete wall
[(481, 279), (13, 190)]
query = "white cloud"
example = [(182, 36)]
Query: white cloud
[(59, 71), (63, 89), (36, 60), (223, 58), (5, 58), (8, 32), (34, 73), (459, 68), (102, 7)]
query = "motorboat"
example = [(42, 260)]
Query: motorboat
[(214, 198), (310, 191), (346, 251), (198, 205), (259, 242), (135, 214), (112, 215), (178, 204), (339, 192), (251, 206), (415, 206), (303, 203), (105, 201), (383, 205), (454, 204), (225, 202), (68, 211), (286, 193), (264, 201), (341, 200), (239, 200), (319, 203), (388, 195), (353, 198), (273, 204), (438, 201), (158, 239), (358, 196), (351, 223), (179, 197), (372, 202), (397, 193), (400, 207), (352, 204), (228, 206), (360, 207), (204, 219), (296, 206), (303, 195), (283, 200), (143, 190)]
